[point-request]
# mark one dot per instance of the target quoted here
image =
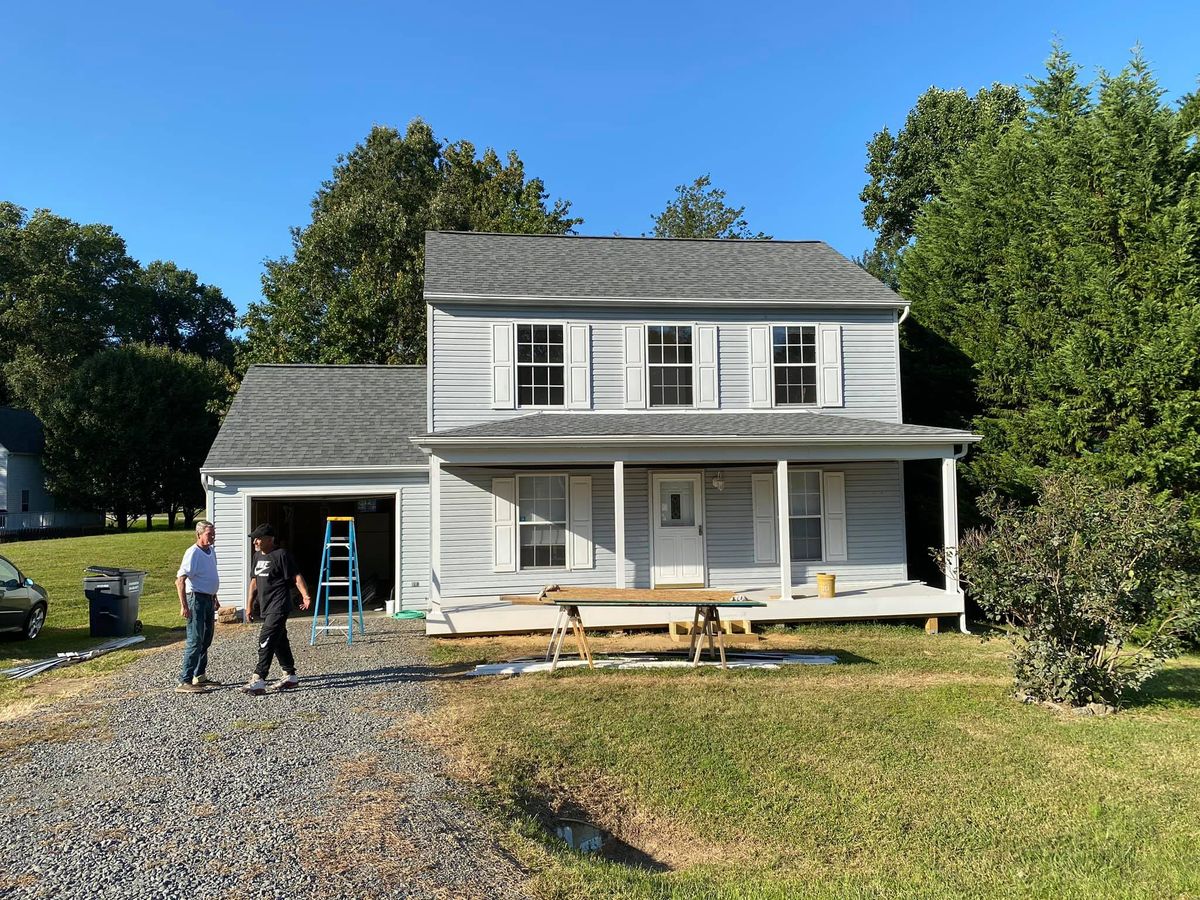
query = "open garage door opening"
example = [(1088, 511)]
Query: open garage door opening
[(300, 525)]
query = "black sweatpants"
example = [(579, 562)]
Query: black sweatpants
[(273, 641)]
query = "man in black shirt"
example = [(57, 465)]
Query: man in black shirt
[(275, 571)]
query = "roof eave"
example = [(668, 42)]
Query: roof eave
[(522, 299), (434, 440)]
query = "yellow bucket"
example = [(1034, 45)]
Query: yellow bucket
[(826, 585)]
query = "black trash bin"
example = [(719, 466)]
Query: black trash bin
[(113, 596)]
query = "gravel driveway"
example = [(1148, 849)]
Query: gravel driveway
[(136, 791)]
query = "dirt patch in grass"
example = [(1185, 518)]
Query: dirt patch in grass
[(649, 841)]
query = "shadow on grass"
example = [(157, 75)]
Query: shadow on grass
[(1175, 686)]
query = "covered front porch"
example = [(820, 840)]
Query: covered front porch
[(755, 505)]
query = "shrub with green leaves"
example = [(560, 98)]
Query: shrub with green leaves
[(1097, 584)]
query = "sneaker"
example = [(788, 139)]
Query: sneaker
[(255, 686), (205, 681), (287, 683), (185, 687)]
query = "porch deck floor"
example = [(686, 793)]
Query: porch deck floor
[(647, 595), (497, 614)]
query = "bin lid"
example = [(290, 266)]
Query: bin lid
[(114, 570)]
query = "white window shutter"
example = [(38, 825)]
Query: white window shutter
[(763, 495), (707, 382), (833, 511), (760, 367), (579, 366), (580, 533), (504, 524), (504, 394), (829, 364), (635, 366)]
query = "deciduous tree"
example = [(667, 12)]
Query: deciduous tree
[(351, 290), (699, 210)]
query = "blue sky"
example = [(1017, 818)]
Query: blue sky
[(201, 131)]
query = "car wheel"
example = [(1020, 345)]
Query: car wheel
[(37, 619)]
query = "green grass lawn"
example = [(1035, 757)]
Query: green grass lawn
[(907, 771), (58, 566)]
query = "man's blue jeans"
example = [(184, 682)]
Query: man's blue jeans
[(199, 636)]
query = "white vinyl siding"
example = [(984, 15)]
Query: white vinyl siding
[(461, 339)]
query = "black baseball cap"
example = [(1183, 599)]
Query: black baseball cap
[(264, 530)]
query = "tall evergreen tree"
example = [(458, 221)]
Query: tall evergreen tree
[(1063, 262), (351, 290)]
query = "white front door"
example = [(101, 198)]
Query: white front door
[(678, 515)]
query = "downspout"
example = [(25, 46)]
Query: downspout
[(903, 315)]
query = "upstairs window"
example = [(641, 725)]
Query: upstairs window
[(669, 355), (540, 369), (795, 363), (24, 501)]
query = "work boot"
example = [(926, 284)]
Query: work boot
[(287, 683), (204, 681), (255, 686), (187, 687)]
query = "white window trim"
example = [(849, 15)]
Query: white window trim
[(821, 487), (566, 477), (517, 404), (816, 366), (646, 366)]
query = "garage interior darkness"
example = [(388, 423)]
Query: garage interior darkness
[(300, 525)]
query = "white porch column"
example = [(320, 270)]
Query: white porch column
[(785, 536), (950, 524), (619, 519), (435, 529)]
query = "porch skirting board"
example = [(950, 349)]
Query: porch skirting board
[(491, 615)]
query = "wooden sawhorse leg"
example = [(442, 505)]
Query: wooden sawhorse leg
[(714, 632), (576, 623), (560, 625)]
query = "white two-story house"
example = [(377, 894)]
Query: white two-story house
[(617, 412)]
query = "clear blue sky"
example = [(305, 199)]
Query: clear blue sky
[(200, 131)]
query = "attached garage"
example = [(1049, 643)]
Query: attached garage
[(301, 443)]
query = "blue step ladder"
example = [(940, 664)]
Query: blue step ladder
[(340, 580)]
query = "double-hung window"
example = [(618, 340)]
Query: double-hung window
[(794, 350), (540, 369), (542, 519), (804, 513), (669, 356)]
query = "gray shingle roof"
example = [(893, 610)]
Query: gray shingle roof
[(296, 416), (21, 431), (596, 427), (563, 266)]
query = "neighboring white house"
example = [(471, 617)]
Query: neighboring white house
[(626, 412), (25, 504)]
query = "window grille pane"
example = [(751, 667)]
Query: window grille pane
[(806, 539)]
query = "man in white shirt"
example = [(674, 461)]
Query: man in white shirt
[(196, 583)]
